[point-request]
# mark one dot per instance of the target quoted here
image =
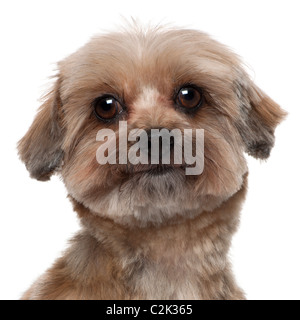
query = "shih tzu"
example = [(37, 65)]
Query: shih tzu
[(150, 229)]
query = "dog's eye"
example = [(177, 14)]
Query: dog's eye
[(189, 98), (106, 108)]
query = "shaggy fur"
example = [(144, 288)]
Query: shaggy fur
[(144, 235)]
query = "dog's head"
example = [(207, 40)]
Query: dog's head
[(172, 79)]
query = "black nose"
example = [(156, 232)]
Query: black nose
[(160, 143), (164, 140)]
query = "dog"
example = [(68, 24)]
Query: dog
[(149, 231)]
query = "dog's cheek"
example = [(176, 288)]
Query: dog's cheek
[(224, 162), (85, 179)]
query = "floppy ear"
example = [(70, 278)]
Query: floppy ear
[(260, 117), (40, 149)]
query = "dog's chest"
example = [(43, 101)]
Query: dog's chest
[(155, 284), (166, 280)]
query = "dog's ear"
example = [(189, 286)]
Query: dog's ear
[(260, 115), (40, 149)]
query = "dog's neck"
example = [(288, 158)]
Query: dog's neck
[(206, 236), (184, 260)]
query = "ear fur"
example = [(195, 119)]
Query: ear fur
[(260, 117), (40, 149)]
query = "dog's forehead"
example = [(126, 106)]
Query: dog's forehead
[(127, 63)]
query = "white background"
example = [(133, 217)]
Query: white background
[(36, 219)]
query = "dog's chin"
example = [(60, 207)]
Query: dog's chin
[(153, 196), (151, 184), (155, 182)]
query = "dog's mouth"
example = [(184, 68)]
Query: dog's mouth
[(156, 169)]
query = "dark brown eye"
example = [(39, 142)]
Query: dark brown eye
[(189, 98), (107, 108)]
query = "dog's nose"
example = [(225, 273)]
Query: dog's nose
[(159, 143), (162, 136)]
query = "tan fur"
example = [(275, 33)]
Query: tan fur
[(149, 236)]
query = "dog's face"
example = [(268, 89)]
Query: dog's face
[(173, 79)]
